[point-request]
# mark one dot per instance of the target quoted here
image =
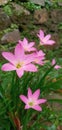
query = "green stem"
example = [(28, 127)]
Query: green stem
[(26, 120), (7, 107), (15, 90), (42, 78), (15, 93), (12, 88)]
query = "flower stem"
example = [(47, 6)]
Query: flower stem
[(44, 76), (15, 90), (26, 120)]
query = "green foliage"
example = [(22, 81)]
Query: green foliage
[(8, 10), (47, 79), (60, 26), (10, 103), (52, 4), (31, 6), (12, 27)]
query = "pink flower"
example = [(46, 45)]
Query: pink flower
[(45, 40), (32, 101), (18, 61), (27, 46), (39, 57), (56, 66)]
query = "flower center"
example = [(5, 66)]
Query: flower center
[(25, 48), (31, 103), (41, 43), (19, 65), (36, 60)]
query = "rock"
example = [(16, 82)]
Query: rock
[(53, 27), (55, 105), (56, 15), (59, 3), (24, 22), (4, 20), (11, 37), (19, 9), (0, 54), (59, 127), (56, 38), (39, 2), (2, 2), (41, 16)]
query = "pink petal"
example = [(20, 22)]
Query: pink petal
[(31, 49), (9, 56), (40, 63), (31, 44), (23, 98), (20, 72), (38, 35), (29, 93), (40, 101), (50, 42), (47, 37), (53, 62), (25, 42), (41, 34), (27, 45), (20, 42), (41, 53), (37, 107), (8, 67), (39, 60), (30, 67), (30, 58), (27, 107), (41, 42), (19, 52), (57, 67), (36, 94)]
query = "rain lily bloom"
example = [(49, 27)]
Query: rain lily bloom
[(39, 57), (18, 61), (32, 101), (27, 46), (45, 40), (56, 66)]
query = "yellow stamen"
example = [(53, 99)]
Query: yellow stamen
[(19, 65), (31, 103), (36, 60)]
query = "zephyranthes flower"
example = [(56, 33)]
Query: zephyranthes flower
[(27, 46), (39, 57), (45, 40), (18, 61), (32, 101), (56, 66)]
